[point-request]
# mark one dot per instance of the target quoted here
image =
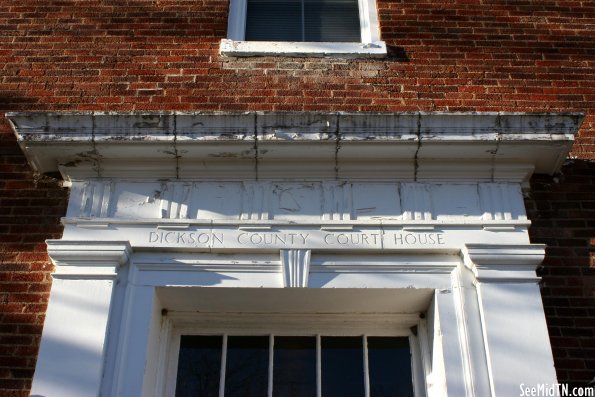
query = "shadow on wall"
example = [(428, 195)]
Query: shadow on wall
[(562, 211), (12, 99), (398, 54)]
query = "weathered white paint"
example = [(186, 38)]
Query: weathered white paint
[(294, 48), (407, 215), (370, 45), (281, 200), (512, 315), (234, 146)]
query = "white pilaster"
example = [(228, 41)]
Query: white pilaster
[(71, 355), (514, 327)]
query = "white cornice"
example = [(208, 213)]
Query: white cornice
[(405, 146), (88, 259), (503, 263)]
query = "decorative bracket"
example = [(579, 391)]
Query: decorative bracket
[(296, 268)]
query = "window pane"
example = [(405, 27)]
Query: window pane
[(294, 367), (199, 366), (389, 361), (342, 367), (332, 20), (274, 20), (247, 367)]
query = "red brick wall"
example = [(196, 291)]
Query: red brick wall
[(30, 210), (452, 55), (562, 211)]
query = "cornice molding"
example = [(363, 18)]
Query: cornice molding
[(405, 146), (503, 263), (88, 259)]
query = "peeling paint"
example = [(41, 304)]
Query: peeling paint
[(49, 139)]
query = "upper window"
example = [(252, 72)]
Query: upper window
[(303, 28)]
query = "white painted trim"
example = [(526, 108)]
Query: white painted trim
[(280, 324), (318, 365), (367, 366), (223, 366), (88, 259), (412, 146), (327, 225), (370, 45), (73, 343), (425, 358), (504, 263), (234, 48), (236, 20), (271, 358), (295, 265), (417, 370)]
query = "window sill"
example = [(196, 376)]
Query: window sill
[(302, 49)]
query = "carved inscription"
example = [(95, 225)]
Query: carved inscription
[(197, 239), (311, 239), (288, 239), (355, 239), (418, 238)]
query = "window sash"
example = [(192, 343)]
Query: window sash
[(303, 20), (319, 363), (368, 19)]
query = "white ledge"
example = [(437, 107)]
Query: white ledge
[(88, 259), (398, 146), (503, 263), (301, 49), (267, 224)]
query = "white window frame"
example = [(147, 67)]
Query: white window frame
[(279, 324), (370, 45)]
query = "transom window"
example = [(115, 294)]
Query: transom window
[(294, 366), (303, 20)]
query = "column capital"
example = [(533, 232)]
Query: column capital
[(503, 263), (88, 259)]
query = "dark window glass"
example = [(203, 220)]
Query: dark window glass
[(247, 366), (389, 362), (274, 21), (303, 20), (294, 367), (332, 20), (199, 366), (342, 366)]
